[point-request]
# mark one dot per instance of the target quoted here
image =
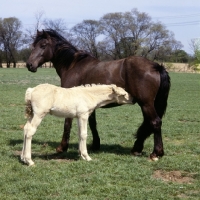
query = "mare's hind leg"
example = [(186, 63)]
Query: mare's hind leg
[(29, 130), (66, 136), (93, 127), (143, 132), (152, 124)]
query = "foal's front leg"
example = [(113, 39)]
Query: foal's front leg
[(82, 127)]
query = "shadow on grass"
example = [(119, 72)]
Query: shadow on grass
[(72, 153)]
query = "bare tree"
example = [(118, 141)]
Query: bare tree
[(139, 24), (58, 24), (31, 31), (134, 33), (114, 28), (195, 47), (86, 36), (10, 38), (127, 31)]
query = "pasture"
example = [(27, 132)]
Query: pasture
[(113, 173)]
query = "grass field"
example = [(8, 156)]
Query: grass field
[(113, 173)]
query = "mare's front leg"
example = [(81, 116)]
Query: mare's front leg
[(152, 124), (29, 130), (95, 135), (82, 133), (66, 136)]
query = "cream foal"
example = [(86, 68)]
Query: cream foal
[(77, 102)]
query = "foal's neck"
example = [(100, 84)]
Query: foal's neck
[(102, 95)]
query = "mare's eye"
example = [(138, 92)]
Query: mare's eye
[(43, 46)]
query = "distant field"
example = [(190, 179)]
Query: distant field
[(23, 65), (113, 173), (175, 67)]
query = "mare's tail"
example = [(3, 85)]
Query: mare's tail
[(163, 92), (28, 108)]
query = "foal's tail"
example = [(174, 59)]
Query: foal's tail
[(163, 92), (28, 108)]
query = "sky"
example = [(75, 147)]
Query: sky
[(182, 17)]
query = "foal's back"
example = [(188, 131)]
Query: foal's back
[(71, 102)]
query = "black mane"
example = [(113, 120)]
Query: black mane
[(53, 34), (65, 52)]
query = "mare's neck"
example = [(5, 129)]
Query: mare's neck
[(63, 57)]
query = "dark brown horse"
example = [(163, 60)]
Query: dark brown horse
[(147, 81)]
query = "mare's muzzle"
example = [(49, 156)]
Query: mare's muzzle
[(30, 67)]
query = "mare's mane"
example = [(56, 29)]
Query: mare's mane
[(65, 53)]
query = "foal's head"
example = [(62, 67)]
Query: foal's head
[(121, 95)]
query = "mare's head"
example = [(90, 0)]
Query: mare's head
[(121, 96), (49, 45), (42, 51)]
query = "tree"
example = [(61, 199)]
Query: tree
[(86, 36), (179, 56), (57, 24), (10, 38), (134, 33), (195, 46), (31, 31), (114, 26)]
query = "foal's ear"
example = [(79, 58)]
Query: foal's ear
[(115, 90), (118, 91)]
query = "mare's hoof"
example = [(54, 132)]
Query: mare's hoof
[(59, 150), (136, 153), (95, 147), (154, 158)]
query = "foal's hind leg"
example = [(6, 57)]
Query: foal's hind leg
[(152, 123), (93, 127), (29, 130)]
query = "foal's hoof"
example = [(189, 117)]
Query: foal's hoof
[(87, 158), (28, 161), (31, 164)]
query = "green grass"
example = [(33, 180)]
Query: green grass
[(113, 173)]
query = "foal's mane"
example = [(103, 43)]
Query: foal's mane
[(65, 53), (95, 85)]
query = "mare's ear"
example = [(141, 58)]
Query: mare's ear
[(38, 32), (46, 35)]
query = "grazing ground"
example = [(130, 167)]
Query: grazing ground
[(113, 173)]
